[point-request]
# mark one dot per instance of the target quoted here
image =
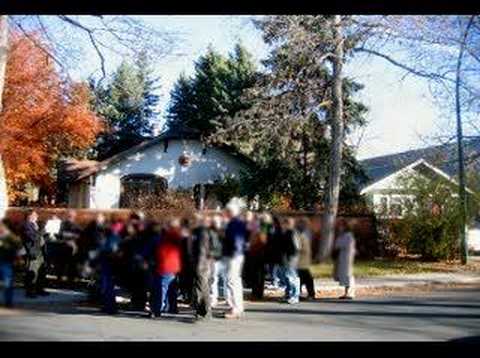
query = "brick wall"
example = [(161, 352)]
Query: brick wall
[(364, 226)]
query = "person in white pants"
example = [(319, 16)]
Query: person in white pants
[(234, 249), (235, 286)]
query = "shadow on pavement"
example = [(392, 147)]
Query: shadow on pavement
[(362, 313), (60, 302)]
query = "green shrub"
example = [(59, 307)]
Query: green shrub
[(430, 222)]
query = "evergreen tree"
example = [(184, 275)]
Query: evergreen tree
[(128, 105), (205, 100), (288, 127)]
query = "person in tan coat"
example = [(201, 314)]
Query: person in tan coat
[(344, 255), (305, 257)]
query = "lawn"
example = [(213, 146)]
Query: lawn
[(381, 267)]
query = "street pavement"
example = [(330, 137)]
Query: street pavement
[(439, 315)]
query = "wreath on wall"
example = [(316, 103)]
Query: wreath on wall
[(184, 160)]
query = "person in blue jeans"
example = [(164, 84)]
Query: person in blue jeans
[(290, 256), (168, 264), (9, 247), (165, 288), (108, 247)]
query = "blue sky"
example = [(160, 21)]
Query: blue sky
[(401, 116)]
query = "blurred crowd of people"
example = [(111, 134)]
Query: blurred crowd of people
[(204, 260)]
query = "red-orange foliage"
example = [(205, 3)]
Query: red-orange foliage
[(43, 116)]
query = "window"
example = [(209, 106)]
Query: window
[(396, 206), (383, 204), (141, 190)]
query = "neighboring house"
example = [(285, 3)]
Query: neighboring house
[(176, 159), (384, 192)]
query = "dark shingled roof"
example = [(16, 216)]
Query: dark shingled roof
[(443, 157), (178, 132)]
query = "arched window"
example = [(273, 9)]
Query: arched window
[(141, 190)]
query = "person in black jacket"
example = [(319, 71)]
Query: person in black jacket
[(290, 257), (67, 258), (107, 257), (34, 244), (133, 248), (274, 252), (218, 279), (201, 261), (88, 254)]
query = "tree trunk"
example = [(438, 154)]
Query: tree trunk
[(3, 65), (336, 147)]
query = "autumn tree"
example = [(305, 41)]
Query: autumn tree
[(44, 117), (122, 35)]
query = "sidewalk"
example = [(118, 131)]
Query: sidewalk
[(400, 281), (327, 287)]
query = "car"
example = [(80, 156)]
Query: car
[(3, 191), (473, 239)]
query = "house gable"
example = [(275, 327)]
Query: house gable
[(203, 167), (392, 182)]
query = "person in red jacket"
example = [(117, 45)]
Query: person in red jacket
[(168, 263)]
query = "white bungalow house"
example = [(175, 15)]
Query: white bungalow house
[(387, 194), (385, 191), (176, 159)]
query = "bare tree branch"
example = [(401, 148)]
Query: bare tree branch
[(92, 41), (39, 45), (429, 75)]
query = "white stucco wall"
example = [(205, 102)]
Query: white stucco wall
[(392, 182), (203, 168)]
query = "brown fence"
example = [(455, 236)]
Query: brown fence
[(364, 226)]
